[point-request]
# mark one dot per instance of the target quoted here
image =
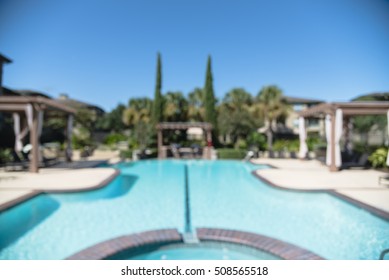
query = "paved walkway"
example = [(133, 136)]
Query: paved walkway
[(76, 176), (361, 185)]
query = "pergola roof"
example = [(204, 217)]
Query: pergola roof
[(348, 108), (18, 103), (5, 59), (184, 125)]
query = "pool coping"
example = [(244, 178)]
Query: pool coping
[(371, 209), (137, 241), (11, 203), (14, 202)]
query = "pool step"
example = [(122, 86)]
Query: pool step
[(190, 238)]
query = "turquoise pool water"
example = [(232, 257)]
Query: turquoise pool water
[(149, 195), (205, 251)]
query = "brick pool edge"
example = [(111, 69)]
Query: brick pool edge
[(137, 241)]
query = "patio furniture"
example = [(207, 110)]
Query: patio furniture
[(358, 161), (384, 178)]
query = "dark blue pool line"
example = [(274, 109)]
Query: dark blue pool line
[(188, 221)]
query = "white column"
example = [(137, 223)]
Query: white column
[(328, 138), (338, 135), (303, 137), (40, 123), (18, 138), (29, 115)]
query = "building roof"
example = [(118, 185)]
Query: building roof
[(298, 100), (13, 92), (26, 92), (355, 108), (375, 96), (77, 104)]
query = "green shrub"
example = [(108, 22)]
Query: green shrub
[(5, 155), (279, 145), (241, 144), (231, 153), (313, 142), (126, 154), (114, 138), (81, 138), (286, 145), (362, 147), (257, 140), (378, 157)]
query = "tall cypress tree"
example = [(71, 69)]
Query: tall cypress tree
[(209, 99), (158, 106)]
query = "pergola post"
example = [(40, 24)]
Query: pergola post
[(1, 77), (209, 143), (34, 140), (3, 60), (333, 167), (160, 143), (69, 128)]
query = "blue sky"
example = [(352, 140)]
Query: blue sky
[(104, 51)]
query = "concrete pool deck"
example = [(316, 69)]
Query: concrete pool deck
[(311, 175), (17, 186)]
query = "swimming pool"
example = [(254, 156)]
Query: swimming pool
[(204, 251), (150, 195)]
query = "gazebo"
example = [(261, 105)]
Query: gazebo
[(27, 113), (3, 60), (335, 114), (207, 127)]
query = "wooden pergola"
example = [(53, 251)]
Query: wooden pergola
[(335, 114), (30, 109), (207, 127), (3, 60)]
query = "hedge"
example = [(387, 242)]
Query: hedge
[(231, 153)]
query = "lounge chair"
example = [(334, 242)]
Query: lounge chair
[(174, 148), (384, 178), (197, 151), (357, 162), (16, 164)]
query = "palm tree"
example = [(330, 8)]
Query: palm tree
[(271, 106), (138, 117), (196, 105), (175, 107), (235, 118)]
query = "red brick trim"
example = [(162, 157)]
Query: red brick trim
[(117, 247), (137, 241), (270, 245)]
